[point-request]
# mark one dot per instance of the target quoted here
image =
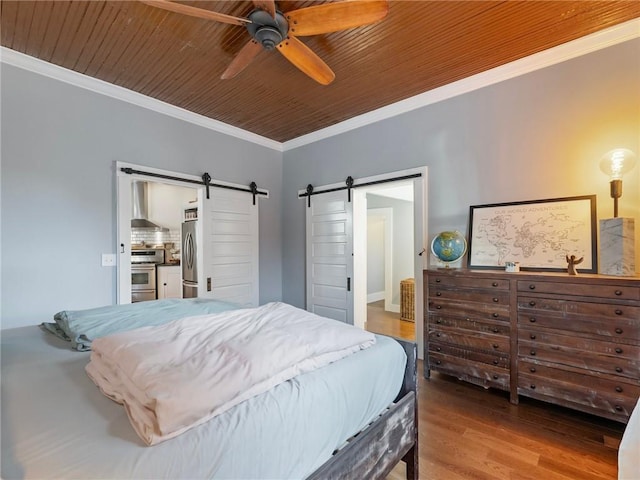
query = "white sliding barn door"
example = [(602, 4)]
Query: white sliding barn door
[(330, 256), (229, 267)]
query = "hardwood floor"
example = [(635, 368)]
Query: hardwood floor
[(467, 432), (388, 323)]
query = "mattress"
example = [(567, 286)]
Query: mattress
[(57, 424)]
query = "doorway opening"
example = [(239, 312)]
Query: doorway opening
[(384, 250)]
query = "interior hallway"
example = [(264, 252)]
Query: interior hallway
[(388, 323)]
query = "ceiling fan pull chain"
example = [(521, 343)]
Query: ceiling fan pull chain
[(349, 186), (309, 193), (206, 178)]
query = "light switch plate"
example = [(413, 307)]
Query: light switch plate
[(108, 259)]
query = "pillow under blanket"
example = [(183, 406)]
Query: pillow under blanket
[(81, 327)]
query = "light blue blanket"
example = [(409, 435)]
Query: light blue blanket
[(81, 327)]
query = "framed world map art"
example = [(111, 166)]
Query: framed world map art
[(539, 234)]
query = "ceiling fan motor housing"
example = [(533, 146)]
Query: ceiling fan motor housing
[(266, 30)]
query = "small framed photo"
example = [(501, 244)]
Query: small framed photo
[(538, 234)]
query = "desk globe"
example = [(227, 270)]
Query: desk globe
[(449, 247)]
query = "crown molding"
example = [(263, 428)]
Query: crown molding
[(575, 48), (56, 72)]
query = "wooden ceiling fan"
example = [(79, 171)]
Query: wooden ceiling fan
[(271, 29)]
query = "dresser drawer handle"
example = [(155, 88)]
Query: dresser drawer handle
[(496, 330), (495, 300), (496, 346), (438, 349), (437, 280), (438, 307), (495, 362), (619, 389), (532, 336), (618, 408), (438, 335), (532, 319), (494, 284), (438, 294), (618, 311), (619, 369), (532, 303), (495, 377), (618, 350), (532, 369), (533, 353), (618, 292), (618, 330), (438, 321), (532, 287), (533, 387), (438, 362), (495, 315)]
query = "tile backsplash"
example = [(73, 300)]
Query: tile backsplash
[(151, 237)]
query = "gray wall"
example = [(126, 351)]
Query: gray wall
[(540, 135), (59, 148)]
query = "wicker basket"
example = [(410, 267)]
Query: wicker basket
[(407, 300)]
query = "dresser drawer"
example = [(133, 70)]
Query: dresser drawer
[(480, 341), (487, 326), (616, 399), (468, 282), (499, 360), (618, 329), (584, 359), (612, 292), (493, 311), (568, 307), (594, 382), (470, 371), (473, 296), (584, 345)]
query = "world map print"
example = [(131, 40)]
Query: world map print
[(538, 235)]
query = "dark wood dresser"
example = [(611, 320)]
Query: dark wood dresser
[(570, 340)]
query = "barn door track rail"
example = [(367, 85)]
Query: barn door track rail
[(206, 181), (350, 184)]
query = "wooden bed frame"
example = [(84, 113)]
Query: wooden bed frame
[(392, 437)]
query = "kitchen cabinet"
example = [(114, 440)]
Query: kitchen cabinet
[(169, 281), (569, 340)]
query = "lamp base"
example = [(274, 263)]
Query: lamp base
[(617, 247)]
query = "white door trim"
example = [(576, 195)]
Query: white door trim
[(387, 217)]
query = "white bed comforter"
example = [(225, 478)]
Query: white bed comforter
[(176, 376)]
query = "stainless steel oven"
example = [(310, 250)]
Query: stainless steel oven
[(143, 273), (143, 282)]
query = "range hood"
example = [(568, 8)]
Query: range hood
[(139, 211)]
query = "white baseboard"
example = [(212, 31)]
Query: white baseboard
[(375, 297), (394, 307)]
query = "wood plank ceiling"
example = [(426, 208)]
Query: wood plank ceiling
[(178, 59)]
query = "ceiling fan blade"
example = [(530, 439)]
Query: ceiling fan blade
[(332, 17), (308, 62), (242, 59), (196, 12), (268, 6)]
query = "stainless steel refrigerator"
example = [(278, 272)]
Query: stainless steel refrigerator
[(189, 260)]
